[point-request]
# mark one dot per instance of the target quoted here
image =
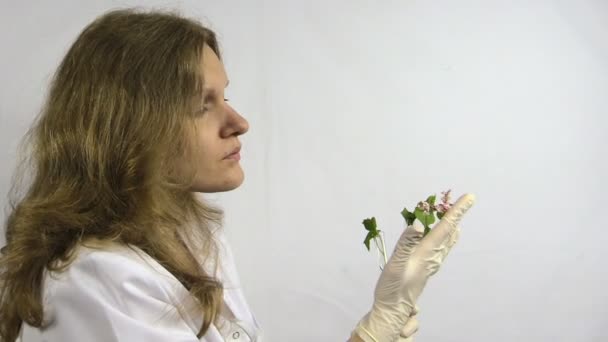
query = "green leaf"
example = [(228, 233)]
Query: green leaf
[(440, 215), (430, 219), (420, 215), (408, 216), (426, 219), (369, 237), (431, 200), (370, 224), (426, 231)]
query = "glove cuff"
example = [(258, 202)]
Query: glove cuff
[(374, 327)]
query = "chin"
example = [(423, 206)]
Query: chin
[(228, 183), (231, 185)]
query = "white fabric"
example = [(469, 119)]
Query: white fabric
[(119, 293)]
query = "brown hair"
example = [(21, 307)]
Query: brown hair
[(102, 157)]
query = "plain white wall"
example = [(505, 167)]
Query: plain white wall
[(358, 108)]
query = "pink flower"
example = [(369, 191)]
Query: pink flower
[(443, 207), (446, 196)]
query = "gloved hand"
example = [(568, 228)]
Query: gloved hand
[(410, 328), (402, 280)]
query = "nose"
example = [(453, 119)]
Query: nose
[(235, 123)]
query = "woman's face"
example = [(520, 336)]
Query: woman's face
[(218, 127)]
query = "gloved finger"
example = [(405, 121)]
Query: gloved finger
[(435, 256), (446, 227), (411, 236), (405, 339), (415, 311), (410, 328), (444, 251), (454, 238)]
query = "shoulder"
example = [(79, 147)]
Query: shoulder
[(115, 293), (115, 284), (110, 267)]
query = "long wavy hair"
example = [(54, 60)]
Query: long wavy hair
[(101, 159)]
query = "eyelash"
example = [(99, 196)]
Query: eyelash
[(206, 109)]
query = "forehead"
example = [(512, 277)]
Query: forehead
[(213, 70)]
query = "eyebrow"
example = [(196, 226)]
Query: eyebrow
[(209, 94), (211, 90)]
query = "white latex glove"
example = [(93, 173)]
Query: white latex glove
[(410, 328), (402, 280)]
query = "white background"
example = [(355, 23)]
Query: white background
[(358, 108)]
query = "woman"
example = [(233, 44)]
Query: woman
[(111, 243)]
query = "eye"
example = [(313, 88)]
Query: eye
[(205, 107), (202, 110)]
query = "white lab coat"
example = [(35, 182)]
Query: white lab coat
[(122, 294)]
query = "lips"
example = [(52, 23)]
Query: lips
[(234, 153)]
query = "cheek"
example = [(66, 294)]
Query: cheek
[(195, 152), (206, 150)]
